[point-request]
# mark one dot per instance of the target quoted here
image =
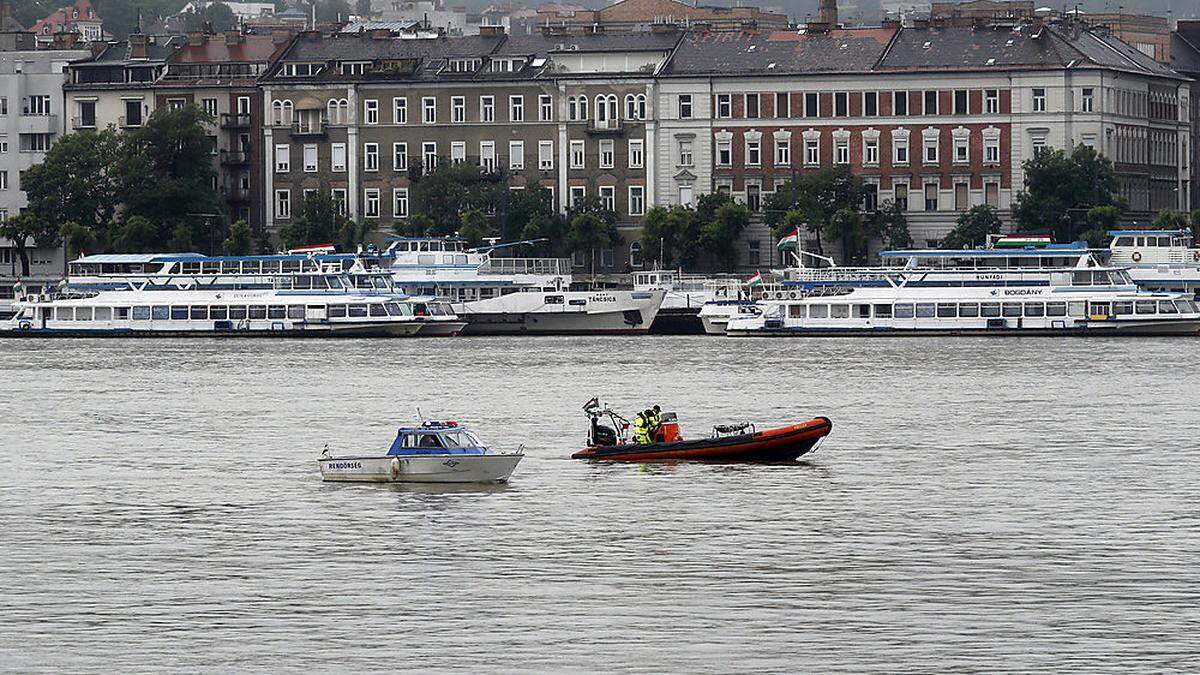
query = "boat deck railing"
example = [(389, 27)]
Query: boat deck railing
[(549, 266)]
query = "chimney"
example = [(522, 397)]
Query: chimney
[(491, 31), (827, 13), (379, 34), (234, 37), (139, 46)]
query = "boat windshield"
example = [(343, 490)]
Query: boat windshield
[(461, 439)]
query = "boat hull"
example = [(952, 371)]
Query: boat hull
[(678, 321), (390, 329), (420, 468), (441, 328), (774, 445), (1157, 328)]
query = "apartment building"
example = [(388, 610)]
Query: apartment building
[(1185, 59), (114, 86), (31, 119), (362, 115)]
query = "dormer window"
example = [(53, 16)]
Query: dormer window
[(301, 69), (355, 67), (506, 65), (464, 65)]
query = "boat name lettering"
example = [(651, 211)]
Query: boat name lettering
[(989, 277), (602, 298), (1022, 291), (345, 465)]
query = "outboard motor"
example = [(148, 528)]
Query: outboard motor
[(602, 435)]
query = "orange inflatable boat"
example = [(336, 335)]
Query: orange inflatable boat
[(739, 443)]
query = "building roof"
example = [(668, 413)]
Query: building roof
[(219, 49), (780, 52), (544, 45), (65, 18), (118, 52), (1185, 55)]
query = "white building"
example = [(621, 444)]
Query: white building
[(242, 10)]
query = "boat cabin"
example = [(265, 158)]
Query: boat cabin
[(1145, 247), (435, 438), (1050, 256)]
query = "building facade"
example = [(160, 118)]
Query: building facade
[(640, 15), (31, 118), (114, 86)]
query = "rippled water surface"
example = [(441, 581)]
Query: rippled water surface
[(982, 504)]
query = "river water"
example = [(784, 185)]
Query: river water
[(982, 504)]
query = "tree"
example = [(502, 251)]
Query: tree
[(846, 227), (416, 225), (671, 236), (24, 228), (78, 239), (75, 184), (972, 228), (475, 227), (1170, 219), (182, 238), (551, 227), (239, 241), (316, 221), (719, 235), (1196, 224), (1060, 189), (589, 233), (351, 235), (135, 235), (817, 196), (521, 207), (450, 190), (216, 17), (890, 225)]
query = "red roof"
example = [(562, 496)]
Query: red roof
[(250, 49), (65, 18)]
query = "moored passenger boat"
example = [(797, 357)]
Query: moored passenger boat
[(684, 296), (1158, 260), (429, 452)]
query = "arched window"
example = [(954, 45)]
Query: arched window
[(635, 254), (612, 107), (287, 112), (276, 113), (572, 109), (334, 111), (631, 107), (583, 108), (641, 106)]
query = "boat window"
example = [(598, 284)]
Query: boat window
[(1141, 241), (238, 312), (270, 266), (357, 310), (276, 312), (1098, 309), (925, 310), (839, 312), (393, 309), (104, 313), (190, 268), (179, 313), (1123, 308), (1081, 278), (211, 267), (554, 300), (1166, 307), (1056, 309), (337, 311), (199, 312), (304, 283), (797, 311), (818, 311), (1164, 241), (947, 310), (904, 311), (426, 259), (258, 312), (141, 313), (290, 265), (968, 310), (250, 266), (218, 312), (883, 311), (1077, 309), (989, 310), (1035, 309), (1012, 309), (295, 311), (862, 311), (429, 441), (230, 267), (1186, 306), (83, 313), (1145, 306), (160, 312), (283, 283), (1123, 241), (378, 310), (580, 302)]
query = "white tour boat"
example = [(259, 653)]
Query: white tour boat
[(430, 452), (506, 296), (985, 292), (1158, 260), (684, 296)]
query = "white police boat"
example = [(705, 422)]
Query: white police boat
[(432, 452)]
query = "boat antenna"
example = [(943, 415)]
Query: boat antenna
[(419, 415)]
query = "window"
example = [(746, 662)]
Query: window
[(577, 108), (458, 109), (3, 180), (870, 103), (577, 158), (546, 155), (685, 152), (871, 152), (371, 203), (991, 150), (545, 108), (931, 151), (283, 158), (685, 106), (930, 103), (283, 204), (487, 109), (724, 153), (991, 194), (516, 108), (487, 156), (900, 190), (637, 153), (400, 203), (429, 110), (991, 101), (637, 200), (962, 150), (962, 197), (429, 155), (210, 106), (338, 111), (608, 199), (841, 104), (812, 152), (753, 196), (686, 195), (724, 106), (960, 101), (87, 114), (635, 106), (899, 103), (753, 152), (751, 106), (370, 111), (370, 156), (870, 196), (900, 151), (1039, 99), (811, 108), (133, 113), (516, 155), (783, 105), (841, 151), (400, 156), (1087, 99), (458, 152), (400, 110), (337, 157), (310, 158), (931, 197), (338, 195), (578, 193), (783, 152)]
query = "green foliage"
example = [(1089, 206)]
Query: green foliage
[(316, 221), (416, 225), (1170, 219), (240, 240), (846, 227), (671, 236), (22, 228), (890, 225), (523, 206), (589, 233), (75, 183), (1060, 190), (551, 227), (719, 236), (215, 17), (972, 228), (475, 227), (182, 239), (816, 196), (135, 235), (78, 239), (1103, 217), (1096, 237), (450, 190), (351, 236)]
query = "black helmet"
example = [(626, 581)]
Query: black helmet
[(647, 413), (657, 409)]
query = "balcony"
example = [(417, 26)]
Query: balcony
[(310, 128), (83, 123), (235, 120), (236, 195), (37, 124), (605, 127), (234, 158)]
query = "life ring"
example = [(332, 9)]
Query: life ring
[(1196, 256), (1137, 256), (394, 469), (791, 295), (25, 324)]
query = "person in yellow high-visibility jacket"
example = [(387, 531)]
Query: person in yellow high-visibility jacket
[(641, 427), (655, 419)]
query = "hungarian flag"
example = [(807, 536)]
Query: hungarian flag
[(1023, 241), (755, 280), (790, 241)]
